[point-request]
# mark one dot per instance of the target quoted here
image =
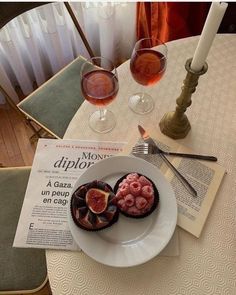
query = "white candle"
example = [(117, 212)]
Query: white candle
[(211, 26)]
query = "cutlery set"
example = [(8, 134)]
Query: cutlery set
[(146, 148), (150, 147)]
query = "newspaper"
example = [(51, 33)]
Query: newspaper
[(205, 177), (57, 165)]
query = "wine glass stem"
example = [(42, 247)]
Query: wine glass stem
[(102, 114), (142, 97)]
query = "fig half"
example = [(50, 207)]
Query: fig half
[(97, 200)]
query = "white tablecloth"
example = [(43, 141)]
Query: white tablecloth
[(206, 265)]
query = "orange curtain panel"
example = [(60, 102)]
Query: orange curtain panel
[(170, 20)]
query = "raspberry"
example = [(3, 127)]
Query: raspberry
[(119, 196), (147, 192), (129, 200), (144, 181), (135, 188), (124, 189), (121, 204), (121, 183), (140, 202), (133, 211), (131, 177)]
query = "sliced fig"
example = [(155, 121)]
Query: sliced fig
[(80, 193), (86, 221), (101, 221), (79, 202), (80, 212), (110, 212), (96, 200)]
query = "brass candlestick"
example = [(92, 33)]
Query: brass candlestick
[(176, 124)]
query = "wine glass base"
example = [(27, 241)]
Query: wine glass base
[(141, 103), (102, 124)]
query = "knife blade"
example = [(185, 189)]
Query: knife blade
[(145, 136)]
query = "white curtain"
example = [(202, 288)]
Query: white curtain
[(37, 44)]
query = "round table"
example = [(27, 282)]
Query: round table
[(206, 265)]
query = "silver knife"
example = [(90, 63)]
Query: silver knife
[(149, 140)]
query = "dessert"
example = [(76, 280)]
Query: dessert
[(136, 195), (93, 207)]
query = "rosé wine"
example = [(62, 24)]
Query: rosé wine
[(99, 87), (147, 66)]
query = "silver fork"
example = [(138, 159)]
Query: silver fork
[(184, 181), (146, 148)]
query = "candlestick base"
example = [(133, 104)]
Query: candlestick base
[(176, 124), (174, 127)]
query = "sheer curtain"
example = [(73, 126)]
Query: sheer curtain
[(37, 44)]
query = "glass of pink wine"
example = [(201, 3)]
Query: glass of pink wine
[(147, 65), (99, 84)]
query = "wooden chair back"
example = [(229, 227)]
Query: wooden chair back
[(10, 10)]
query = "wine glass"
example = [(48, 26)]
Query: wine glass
[(147, 65), (99, 83)]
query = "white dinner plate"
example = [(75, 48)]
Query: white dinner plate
[(130, 241)]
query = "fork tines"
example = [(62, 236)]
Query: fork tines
[(141, 149)]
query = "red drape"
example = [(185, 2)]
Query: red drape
[(170, 20)]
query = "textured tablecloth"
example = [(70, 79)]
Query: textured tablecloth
[(206, 265)]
